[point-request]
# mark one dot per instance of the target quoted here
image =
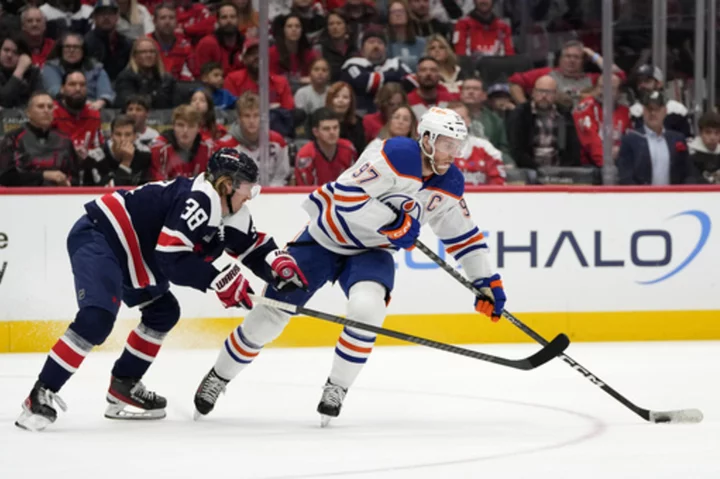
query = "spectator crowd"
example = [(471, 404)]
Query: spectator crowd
[(122, 92)]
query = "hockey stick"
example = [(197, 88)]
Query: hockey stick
[(550, 351), (677, 416)]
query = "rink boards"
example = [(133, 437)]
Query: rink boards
[(599, 265)]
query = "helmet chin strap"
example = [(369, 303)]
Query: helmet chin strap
[(228, 198), (430, 156)]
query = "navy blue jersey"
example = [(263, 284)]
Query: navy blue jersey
[(172, 231)]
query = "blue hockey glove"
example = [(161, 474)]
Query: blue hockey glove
[(402, 232), (493, 303)]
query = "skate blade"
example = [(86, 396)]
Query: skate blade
[(32, 422), (197, 415), (325, 420), (131, 413)]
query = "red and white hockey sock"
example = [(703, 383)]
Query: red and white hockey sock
[(64, 359), (143, 345), (352, 351), (236, 354)]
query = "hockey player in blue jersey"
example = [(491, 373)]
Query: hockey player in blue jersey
[(129, 247), (356, 223)]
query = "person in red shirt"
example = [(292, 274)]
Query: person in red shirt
[(389, 97), (292, 54), (588, 118), (194, 19), (174, 49), (33, 31), (483, 34), (327, 156), (180, 151), (430, 92), (244, 80), (224, 46), (74, 118)]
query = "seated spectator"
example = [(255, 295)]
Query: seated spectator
[(341, 100), (135, 21), (335, 44), (180, 151), (654, 155), (74, 117), (360, 15), (451, 76), (390, 96), (404, 42), (430, 93), (223, 46), (292, 54), (311, 15), (194, 19), (212, 79), (425, 24), (569, 75), (19, 78), (137, 107), (123, 161), (69, 54), (312, 97), (589, 121), (481, 33), (650, 79), (104, 43), (484, 122), (66, 16), (248, 18), (34, 32), (542, 133), (210, 130), (480, 162), (705, 149), (327, 156), (244, 136), (367, 73), (174, 49), (403, 122), (145, 75), (36, 154), (499, 99)]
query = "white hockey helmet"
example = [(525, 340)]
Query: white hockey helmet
[(440, 121)]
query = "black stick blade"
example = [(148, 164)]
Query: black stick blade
[(551, 351)]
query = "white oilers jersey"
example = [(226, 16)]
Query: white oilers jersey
[(347, 213)]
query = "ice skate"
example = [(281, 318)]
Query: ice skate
[(330, 402), (128, 399), (38, 411), (207, 393)]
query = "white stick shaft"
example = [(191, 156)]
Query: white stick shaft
[(290, 308)]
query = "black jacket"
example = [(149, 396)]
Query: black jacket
[(354, 133), (635, 164), (160, 90), (335, 58), (15, 93), (98, 45), (521, 132), (706, 163), (105, 170)]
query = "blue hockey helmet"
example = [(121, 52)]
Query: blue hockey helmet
[(229, 162)]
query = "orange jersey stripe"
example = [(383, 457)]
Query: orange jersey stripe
[(351, 199), (477, 237), (328, 217), (352, 347)]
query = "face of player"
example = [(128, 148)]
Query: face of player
[(438, 51), (293, 29), (199, 102), (428, 74), (214, 78), (320, 73), (484, 6), (421, 8), (336, 27), (123, 134), (341, 102), (145, 54), (710, 137), (327, 132), (105, 19), (40, 111), (250, 123), (571, 60), (472, 93), (9, 55), (165, 21), (400, 122), (244, 192), (227, 20), (74, 90), (33, 24), (72, 49), (185, 133), (446, 150), (397, 16), (374, 50), (139, 114)]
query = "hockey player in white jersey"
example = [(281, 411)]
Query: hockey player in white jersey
[(356, 224)]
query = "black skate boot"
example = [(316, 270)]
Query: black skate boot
[(129, 392), (38, 411), (207, 393), (330, 402)]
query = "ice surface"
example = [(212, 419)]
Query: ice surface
[(414, 413)]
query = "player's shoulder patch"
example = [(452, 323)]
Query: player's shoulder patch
[(403, 155), (203, 187), (451, 183), (303, 162)]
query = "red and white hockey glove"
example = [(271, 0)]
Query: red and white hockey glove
[(232, 288), (287, 273), (493, 301), (402, 232)]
